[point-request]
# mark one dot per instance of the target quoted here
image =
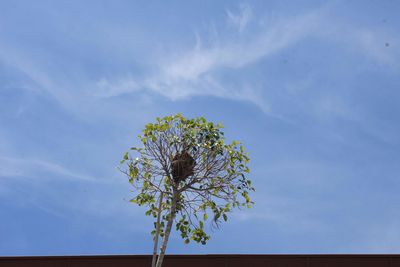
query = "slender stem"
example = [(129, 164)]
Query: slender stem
[(171, 218), (153, 263)]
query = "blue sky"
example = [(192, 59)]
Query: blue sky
[(310, 87)]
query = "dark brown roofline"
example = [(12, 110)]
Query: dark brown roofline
[(211, 260)]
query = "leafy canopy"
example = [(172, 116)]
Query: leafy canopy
[(218, 183)]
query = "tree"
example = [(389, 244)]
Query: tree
[(183, 172)]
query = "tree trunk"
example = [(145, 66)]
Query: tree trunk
[(168, 229), (153, 263)]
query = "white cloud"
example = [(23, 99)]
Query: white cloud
[(377, 45), (195, 71), (374, 43), (35, 76), (192, 72), (190, 66), (241, 19), (120, 87), (16, 167), (42, 184)]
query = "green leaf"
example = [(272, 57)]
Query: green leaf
[(133, 171), (161, 141)]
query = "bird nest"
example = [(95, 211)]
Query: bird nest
[(182, 166)]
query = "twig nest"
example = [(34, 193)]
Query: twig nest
[(182, 166)]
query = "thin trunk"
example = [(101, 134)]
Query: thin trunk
[(153, 263), (167, 230)]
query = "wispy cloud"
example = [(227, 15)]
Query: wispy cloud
[(33, 75), (295, 178), (93, 82), (17, 167), (373, 43), (196, 71), (193, 72), (38, 183), (242, 18)]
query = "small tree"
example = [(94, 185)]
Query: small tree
[(183, 172)]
